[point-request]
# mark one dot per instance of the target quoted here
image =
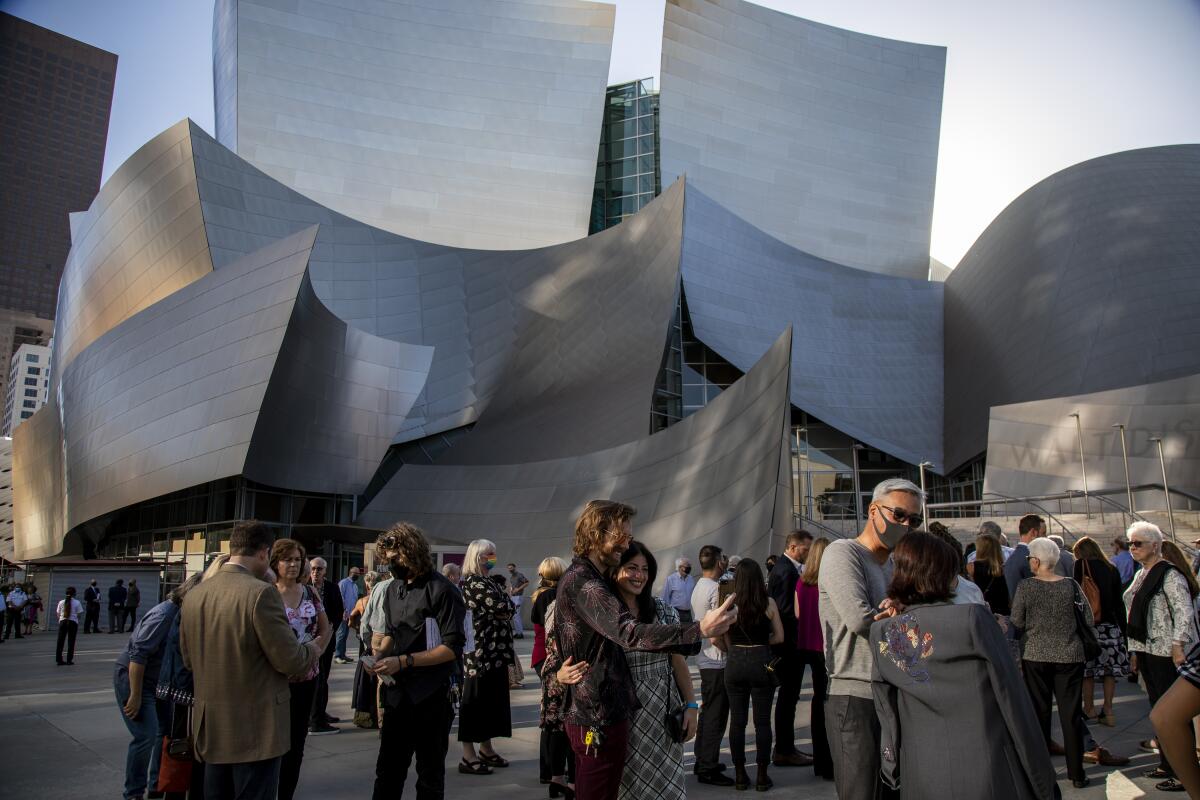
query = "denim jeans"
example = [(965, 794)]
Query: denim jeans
[(343, 633), (145, 751)]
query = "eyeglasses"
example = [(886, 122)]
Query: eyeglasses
[(1137, 543), (904, 517)]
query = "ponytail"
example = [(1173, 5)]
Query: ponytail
[(67, 601)]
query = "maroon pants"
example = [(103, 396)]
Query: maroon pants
[(598, 770)]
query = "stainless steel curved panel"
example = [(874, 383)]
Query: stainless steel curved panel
[(868, 350), (39, 509), (711, 478), (824, 138), (464, 122), (491, 316), (1033, 448), (1088, 281), (142, 239)]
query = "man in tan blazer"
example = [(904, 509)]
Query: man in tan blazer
[(236, 640)]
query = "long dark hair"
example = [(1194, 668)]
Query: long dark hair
[(924, 569), (67, 604), (751, 591), (645, 599)]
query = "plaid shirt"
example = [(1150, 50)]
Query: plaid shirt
[(592, 624)]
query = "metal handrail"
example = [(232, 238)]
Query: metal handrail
[(800, 521), (1005, 501)]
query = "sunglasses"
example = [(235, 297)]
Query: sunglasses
[(1135, 543), (904, 517)]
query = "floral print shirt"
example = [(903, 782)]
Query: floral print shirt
[(1170, 617), (491, 613), (305, 623), (593, 625)]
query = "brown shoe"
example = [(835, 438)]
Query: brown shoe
[(1104, 758), (796, 759), (1057, 749)]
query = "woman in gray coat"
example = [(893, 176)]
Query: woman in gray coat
[(947, 691)]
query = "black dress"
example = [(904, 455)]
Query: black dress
[(994, 588), (484, 711)]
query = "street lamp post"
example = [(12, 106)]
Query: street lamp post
[(1082, 464), (799, 496), (1162, 462), (1125, 459), (857, 490), (924, 516)]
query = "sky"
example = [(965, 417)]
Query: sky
[(1031, 86)]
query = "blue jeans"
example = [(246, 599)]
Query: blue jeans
[(145, 751), (343, 633)]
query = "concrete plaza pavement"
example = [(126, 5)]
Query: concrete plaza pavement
[(63, 738)]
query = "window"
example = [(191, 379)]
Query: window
[(31, 358), (31, 381), (35, 370), (29, 404), (31, 392), (26, 414)]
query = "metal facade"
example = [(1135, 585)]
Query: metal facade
[(471, 123), (714, 477), (824, 138), (1088, 281), (1033, 448), (868, 352)]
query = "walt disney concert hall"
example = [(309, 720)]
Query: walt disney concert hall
[(394, 286)]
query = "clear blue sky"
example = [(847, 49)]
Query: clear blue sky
[(1031, 86)]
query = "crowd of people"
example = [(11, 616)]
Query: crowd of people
[(920, 653)]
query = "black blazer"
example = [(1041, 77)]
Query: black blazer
[(331, 598), (781, 585)]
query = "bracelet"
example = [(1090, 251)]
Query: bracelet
[(693, 705)]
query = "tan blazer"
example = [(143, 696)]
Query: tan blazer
[(235, 638)]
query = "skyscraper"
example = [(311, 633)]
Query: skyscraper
[(56, 93)]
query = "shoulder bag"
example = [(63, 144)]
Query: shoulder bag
[(1087, 633), (1091, 591)]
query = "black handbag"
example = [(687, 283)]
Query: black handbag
[(675, 724), (1087, 633)]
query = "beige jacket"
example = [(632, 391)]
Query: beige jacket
[(235, 638)]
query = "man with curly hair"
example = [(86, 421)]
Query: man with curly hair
[(594, 628), (415, 621)]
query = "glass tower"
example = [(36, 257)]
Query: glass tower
[(627, 169)]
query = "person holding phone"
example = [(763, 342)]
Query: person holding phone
[(595, 629)]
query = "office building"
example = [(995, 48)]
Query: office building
[(28, 385)]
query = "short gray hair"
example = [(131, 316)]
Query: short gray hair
[(1058, 540), (312, 562), (474, 551), (884, 488), (1148, 530), (991, 527), (679, 562), (734, 561), (1045, 551)]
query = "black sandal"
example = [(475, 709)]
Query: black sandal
[(493, 760), (474, 768), (1169, 785), (1156, 773)]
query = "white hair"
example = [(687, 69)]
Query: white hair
[(474, 551), (312, 562), (991, 527), (679, 562), (1046, 551), (734, 561), (450, 568), (1149, 531), (884, 488), (1058, 540)]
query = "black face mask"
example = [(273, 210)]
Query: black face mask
[(892, 532), (399, 571), (687, 570)]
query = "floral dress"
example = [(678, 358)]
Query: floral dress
[(304, 620), (491, 610), (655, 764)]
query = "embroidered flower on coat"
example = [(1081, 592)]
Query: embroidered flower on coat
[(906, 647)]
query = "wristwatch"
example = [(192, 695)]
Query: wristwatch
[(408, 661)]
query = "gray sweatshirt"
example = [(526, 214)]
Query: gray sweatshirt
[(852, 585)]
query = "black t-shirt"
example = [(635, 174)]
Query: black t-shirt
[(537, 612)]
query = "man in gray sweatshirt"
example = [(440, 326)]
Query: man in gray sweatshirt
[(854, 578)]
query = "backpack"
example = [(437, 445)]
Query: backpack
[(1091, 591)]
